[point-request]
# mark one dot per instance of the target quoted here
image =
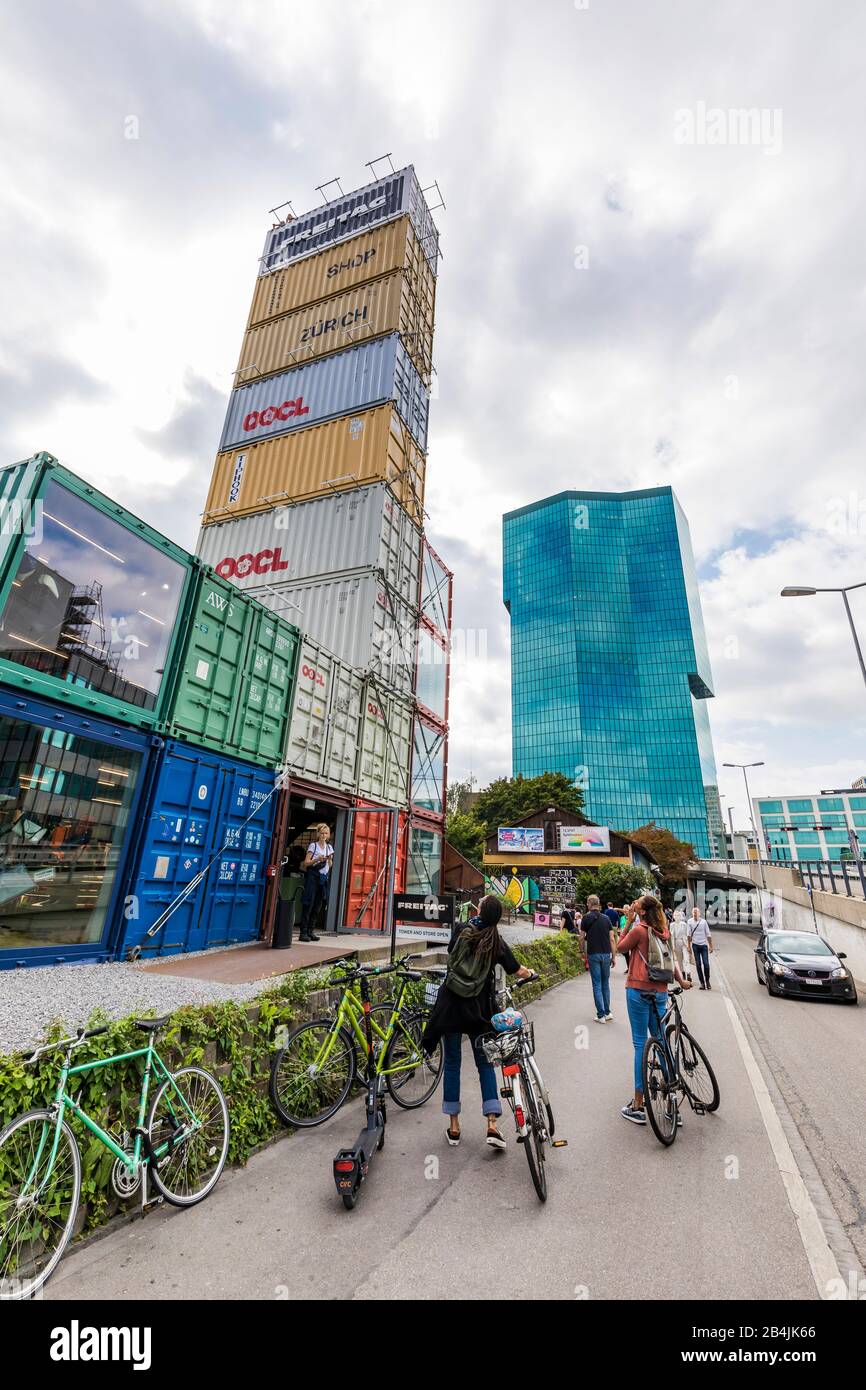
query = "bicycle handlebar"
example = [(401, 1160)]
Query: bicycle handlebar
[(80, 1037)]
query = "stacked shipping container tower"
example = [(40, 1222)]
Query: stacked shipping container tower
[(316, 509), (144, 708)]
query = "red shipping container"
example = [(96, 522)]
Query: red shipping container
[(366, 899)]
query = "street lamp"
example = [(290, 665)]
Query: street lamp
[(803, 591), (743, 767)]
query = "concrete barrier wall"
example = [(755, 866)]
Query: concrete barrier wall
[(840, 920)]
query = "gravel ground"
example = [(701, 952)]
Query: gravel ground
[(30, 1000)]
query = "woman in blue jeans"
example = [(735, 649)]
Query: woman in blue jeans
[(646, 999), (455, 1015)]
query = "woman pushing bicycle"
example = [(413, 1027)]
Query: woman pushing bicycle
[(466, 1004), (646, 941)]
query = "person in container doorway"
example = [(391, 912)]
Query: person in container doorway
[(316, 868), (642, 917), (465, 1004), (599, 943)]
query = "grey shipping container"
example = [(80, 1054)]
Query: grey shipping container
[(325, 726), (364, 528), (385, 754), (380, 201), (368, 375), (357, 617)]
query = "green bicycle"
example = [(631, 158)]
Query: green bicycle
[(183, 1146), (313, 1072)]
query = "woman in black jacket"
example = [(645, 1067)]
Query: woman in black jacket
[(454, 1014)]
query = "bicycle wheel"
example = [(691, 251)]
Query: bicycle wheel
[(419, 1075), (191, 1167), (547, 1108), (659, 1098), (38, 1201), (302, 1095), (697, 1075), (533, 1144)]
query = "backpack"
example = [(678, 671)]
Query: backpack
[(659, 959), (468, 969)]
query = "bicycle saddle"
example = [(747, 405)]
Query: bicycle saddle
[(151, 1025)]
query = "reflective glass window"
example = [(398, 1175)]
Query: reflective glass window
[(64, 810), (91, 602)]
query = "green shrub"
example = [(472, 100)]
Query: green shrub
[(234, 1041)]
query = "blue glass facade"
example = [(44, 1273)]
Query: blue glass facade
[(609, 668)]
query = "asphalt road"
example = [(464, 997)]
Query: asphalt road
[(709, 1218), (816, 1052)]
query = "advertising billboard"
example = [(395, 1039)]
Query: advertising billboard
[(521, 839), (584, 839)]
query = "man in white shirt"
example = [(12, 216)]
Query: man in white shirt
[(701, 944)]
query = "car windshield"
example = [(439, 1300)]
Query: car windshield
[(798, 944)]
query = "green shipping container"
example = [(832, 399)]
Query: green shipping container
[(235, 676), (93, 601)]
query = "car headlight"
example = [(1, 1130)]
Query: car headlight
[(778, 969), (840, 973)]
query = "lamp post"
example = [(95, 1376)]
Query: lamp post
[(805, 591), (742, 767)]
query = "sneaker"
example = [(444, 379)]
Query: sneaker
[(679, 1120), (636, 1114), (495, 1140), (313, 937), (709, 986), (601, 1019), (608, 1018), (453, 1139), (701, 986)]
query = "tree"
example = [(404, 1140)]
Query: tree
[(614, 883), (673, 856), (509, 799), (463, 832)]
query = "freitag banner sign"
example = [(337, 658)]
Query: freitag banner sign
[(387, 198)]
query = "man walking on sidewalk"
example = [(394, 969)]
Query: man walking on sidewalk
[(599, 943), (702, 944)]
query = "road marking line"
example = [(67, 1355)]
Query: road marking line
[(822, 1262)]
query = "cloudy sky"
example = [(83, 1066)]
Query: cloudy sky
[(637, 288)]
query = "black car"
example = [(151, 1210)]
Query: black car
[(801, 963)]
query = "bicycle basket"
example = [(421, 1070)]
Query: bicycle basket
[(431, 992), (499, 1047)]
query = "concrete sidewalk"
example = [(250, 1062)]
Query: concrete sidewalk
[(707, 1219)]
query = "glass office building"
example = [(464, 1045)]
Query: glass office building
[(610, 675), (818, 826)]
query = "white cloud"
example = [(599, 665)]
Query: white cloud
[(721, 311)]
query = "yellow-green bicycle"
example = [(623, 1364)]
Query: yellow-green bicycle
[(312, 1073)]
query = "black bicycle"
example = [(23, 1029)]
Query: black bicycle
[(675, 1065)]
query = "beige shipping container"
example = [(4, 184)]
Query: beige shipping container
[(373, 446), (393, 246), (386, 305)]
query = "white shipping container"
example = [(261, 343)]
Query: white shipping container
[(355, 615), (365, 528), (324, 730), (386, 746)]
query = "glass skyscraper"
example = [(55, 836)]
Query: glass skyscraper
[(609, 667)]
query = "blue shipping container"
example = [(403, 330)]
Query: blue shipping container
[(202, 807), (359, 378), (71, 790)]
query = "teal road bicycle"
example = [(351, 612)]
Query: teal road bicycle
[(181, 1145)]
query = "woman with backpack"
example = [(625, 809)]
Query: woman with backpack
[(646, 941), (465, 1005)]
